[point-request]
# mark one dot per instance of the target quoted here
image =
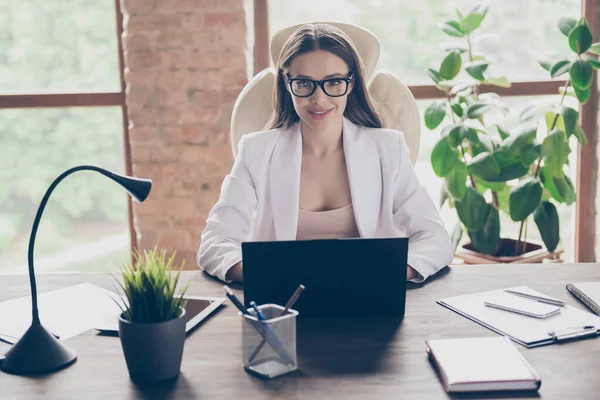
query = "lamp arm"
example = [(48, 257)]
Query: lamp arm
[(36, 222)]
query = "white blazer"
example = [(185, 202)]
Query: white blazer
[(259, 199)]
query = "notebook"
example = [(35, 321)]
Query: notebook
[(588, 293), (481, 364), (570, 323)]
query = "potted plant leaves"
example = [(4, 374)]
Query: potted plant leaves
[(488, 169), (152, 323)]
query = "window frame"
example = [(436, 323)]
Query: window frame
[(585, 212), (86, 98)]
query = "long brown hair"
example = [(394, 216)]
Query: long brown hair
[(311, 37)]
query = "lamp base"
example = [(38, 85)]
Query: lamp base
[(37, 352)]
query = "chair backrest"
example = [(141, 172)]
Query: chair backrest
[(392, 100)]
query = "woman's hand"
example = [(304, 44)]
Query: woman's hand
[(235, 273)]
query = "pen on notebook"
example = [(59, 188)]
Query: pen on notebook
[(265, 331), (288, 305), (541, 299)]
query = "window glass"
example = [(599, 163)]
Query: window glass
[(85, 224), (58, 45)]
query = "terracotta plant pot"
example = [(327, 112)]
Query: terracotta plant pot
[(535, 252)]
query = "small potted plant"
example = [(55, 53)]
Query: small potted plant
[(488, 169), (152, 323)]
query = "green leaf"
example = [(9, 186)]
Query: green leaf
[(554, 121), (582, 95), (476, 69), (511, 171), (500, 81), (518, 139), (435, 114), (594, 62), (548, 182), (451, 65), (457, 108), (580, 135), (595, 48), (461, 86), (581, 74), (546, 219), (485, 166), (476, 109), (549, 58), (570, 117), (580, 36), (472, 209), (504, 199), (556, 151), (485, 240), (443, 158), (503, 134), (530, 153), (458, 132), (434, 75), (529, 112), (524, 198), (565, 189), (472, 22), (459, 14), (494, 186), (456, 181), (566, 25), (451, 27), (474, 17), (560, 68)]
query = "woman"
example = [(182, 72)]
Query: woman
[(326, 169)]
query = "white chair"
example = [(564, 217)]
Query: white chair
[(391, 99)]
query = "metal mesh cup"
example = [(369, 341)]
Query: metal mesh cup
[(269, 346)]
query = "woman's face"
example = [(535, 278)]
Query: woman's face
[(319, 111)]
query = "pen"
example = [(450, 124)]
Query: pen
[(541, 299), (259, 314), (288, 305), (265, 330)]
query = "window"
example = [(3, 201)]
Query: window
[(57, 55)]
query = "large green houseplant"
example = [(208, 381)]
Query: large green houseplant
[(152, 325), (488, 170)]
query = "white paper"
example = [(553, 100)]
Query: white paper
[(64, 312), (525, 329)]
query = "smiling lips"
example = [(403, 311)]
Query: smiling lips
[(320, 114)]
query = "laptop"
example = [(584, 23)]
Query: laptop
[(354, 277)]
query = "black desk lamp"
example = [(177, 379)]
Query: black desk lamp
[(38, 351)]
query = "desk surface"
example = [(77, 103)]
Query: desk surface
[(346, 359)]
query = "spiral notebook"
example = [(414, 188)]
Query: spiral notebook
[(588, 293)]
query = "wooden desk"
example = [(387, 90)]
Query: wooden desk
[(364, 359)]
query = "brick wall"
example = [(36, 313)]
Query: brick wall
[(185, 66)]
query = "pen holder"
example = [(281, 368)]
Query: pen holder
[(269, 346)]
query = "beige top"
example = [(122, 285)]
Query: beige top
[(332, 224)]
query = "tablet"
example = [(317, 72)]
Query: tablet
[(197, 309)]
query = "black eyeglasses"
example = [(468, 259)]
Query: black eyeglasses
[(334, 87)]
